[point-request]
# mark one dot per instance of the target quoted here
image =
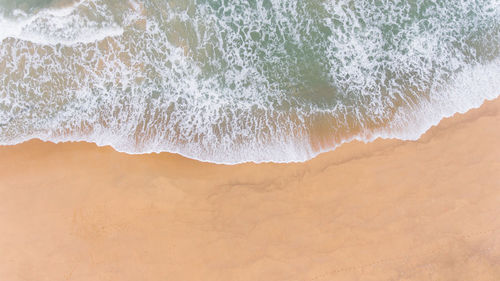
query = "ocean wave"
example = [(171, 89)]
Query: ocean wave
[(469, 90), (263, 81), (67, 25)]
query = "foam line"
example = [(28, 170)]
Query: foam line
[(51, 26), (241, 81)]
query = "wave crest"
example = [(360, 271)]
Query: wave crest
[(78, 23)]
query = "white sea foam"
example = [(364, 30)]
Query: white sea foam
[(236, 83), (65, 25), (467, 90)]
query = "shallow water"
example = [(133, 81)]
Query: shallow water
[(236, 81)]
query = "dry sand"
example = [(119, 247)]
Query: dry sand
[(388, 210)]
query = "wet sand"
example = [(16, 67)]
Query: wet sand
[(388, 210)]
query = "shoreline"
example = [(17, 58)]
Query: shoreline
[(384, 210), (379, 136)]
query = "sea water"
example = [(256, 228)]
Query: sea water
[(236, 81)]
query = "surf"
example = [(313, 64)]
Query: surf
[(245, 81)]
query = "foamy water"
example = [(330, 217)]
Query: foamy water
[(64, 25), (237, 81)]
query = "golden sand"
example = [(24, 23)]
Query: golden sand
[(388, 210)]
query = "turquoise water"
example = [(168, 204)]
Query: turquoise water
[(9, 6), (237, 81)]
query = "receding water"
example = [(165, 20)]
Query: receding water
[(236, 81)]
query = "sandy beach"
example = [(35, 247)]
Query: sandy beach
[(387, 210)]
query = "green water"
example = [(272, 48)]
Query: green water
[(232, 81), (30, 5)]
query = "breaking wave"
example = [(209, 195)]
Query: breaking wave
[(238, 81)]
